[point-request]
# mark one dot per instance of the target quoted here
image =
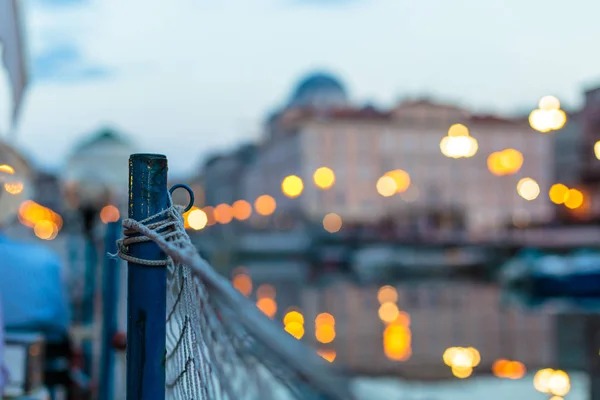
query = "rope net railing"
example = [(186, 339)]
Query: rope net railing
[(218, 344)]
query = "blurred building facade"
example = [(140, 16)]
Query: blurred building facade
[(590, 131), (319, 126)]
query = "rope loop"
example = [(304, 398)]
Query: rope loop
[(168, 224)]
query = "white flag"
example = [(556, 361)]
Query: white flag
[(12, 39)]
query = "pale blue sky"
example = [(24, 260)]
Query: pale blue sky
[(186, 77)]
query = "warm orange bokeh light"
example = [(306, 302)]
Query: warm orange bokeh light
[(223, 213), (46, 223), (558, 193), (573, 199), (387, 294), (327, 354), (267, 306), (46, 230), (265, 291), (7, 169), (109, 213), (324, 178), (210, 215), (388, 312), (397, 341), (242, 210), (505, 162), (265, 205), (292, 186), (196, 219), (462, 372), (14, 188), (295, 329), (325, 319), (325, 333), (243, 283), (401, 178), (293, 316), (332, 223)]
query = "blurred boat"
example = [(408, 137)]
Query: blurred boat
[(544, 275), (383, 262)]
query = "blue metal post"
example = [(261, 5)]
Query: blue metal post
[(146, 285), (110, 300)]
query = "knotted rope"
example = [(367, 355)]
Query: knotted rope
[(217, 340)]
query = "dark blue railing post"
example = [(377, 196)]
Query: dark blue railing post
[(110, 300), (146, 285)]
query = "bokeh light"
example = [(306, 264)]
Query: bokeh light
[(210, 215), (548, 117), (293, 322), (45, 229), (332, 223), (242, 282), (461, 360), (292, 186), (458, 130), (223, 213), (325, 333), (401, 178), (597, 149), (505, 162), (109, 213), (386, 186), (387, 294), (295, 329), (265, 205), (325, 328), (242, 210), (45, 222), (458, 143), (325, 319), (268, 306), (549, 103), (508, 369), (197, 219), (327, 354), (573, 199), (397, 342), (528, 189), (324, 178), (7, 169), (293, 316), (388, 312), (14, 188), (558, 193), (554, 382)]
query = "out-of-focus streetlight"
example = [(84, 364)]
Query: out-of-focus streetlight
[(597, 149), (548, 117), (505, 162), (458, 143)]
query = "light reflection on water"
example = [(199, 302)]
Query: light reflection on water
[(441, 315)]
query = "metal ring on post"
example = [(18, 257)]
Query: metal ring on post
[(190, 193)]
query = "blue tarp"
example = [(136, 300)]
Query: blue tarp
[(32, 293)]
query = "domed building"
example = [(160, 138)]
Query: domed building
[(98, 168), (319, 90)]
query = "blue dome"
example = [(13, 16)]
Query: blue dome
[(319, 90)]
